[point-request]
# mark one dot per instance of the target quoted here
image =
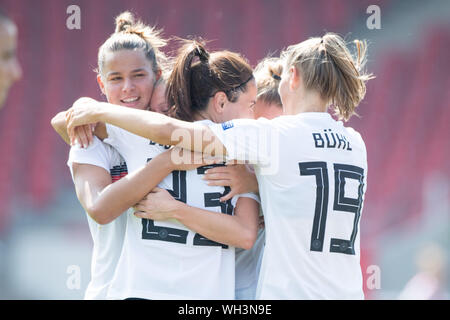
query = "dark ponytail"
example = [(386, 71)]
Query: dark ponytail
[(198, 75)]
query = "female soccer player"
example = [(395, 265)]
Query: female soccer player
[(191, 257), (129, 63), (241, 178), (202, 262), (311, 170)]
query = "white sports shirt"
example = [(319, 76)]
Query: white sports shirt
[(165, 259), (312, 176), (107, 239), (248, 264)]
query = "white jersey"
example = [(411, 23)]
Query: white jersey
[(311, 173), (165, 259), (107, 239), (248, 264)]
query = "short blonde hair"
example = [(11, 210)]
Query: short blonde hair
[(327, 66)]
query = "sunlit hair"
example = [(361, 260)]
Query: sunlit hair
[(135, 35), (198, 75), (327, 66), (268, 75)]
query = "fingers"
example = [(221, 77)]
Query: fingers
[(216, 176), (88, 130), (82, 136), (220, 183), (140, 207), (71, 134), (142, 215), (228, 196), (69, 120)]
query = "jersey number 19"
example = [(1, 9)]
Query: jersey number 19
[(341, 203)]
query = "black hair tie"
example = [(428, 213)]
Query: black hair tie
[(276, 77)]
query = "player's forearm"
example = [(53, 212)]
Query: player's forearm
[(219, 227), (125, 193), (162, 129), (59, 124)]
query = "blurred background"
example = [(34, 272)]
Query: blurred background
[(404, 120)]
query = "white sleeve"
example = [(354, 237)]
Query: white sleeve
[(247, 139), (250, 195), (96, 154), (116, 136)]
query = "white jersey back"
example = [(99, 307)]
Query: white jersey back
[(165, 259), (311, 173), (107, 239)]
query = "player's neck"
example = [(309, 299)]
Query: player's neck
[(206, 115), (306, 102)]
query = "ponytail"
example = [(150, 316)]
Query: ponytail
[(197, 75), (268, 76), (180, 82), (326, 65)]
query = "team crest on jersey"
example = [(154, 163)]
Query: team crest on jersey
[(227, 125)]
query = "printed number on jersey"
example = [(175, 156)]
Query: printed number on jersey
[(211, 199), (342, 172)]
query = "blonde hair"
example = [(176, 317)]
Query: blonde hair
[(268, 75), (327, 66), (135, 35)]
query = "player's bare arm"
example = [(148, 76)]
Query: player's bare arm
[(154, 126), (108, 201), (238, 230), (89, 182), (83, 134)]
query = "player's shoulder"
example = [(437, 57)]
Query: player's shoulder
[(288, 124), (99, 149), (354, 134), (96, 147)]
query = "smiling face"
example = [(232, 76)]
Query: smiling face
[(242, 108), (10, 70), (127, 79)]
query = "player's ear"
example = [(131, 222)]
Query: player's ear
[(295, 79), (219, 101), (101, 84)]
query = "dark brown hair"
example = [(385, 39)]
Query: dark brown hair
[(194, 81)]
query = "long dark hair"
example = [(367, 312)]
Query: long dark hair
[(194, 81)]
